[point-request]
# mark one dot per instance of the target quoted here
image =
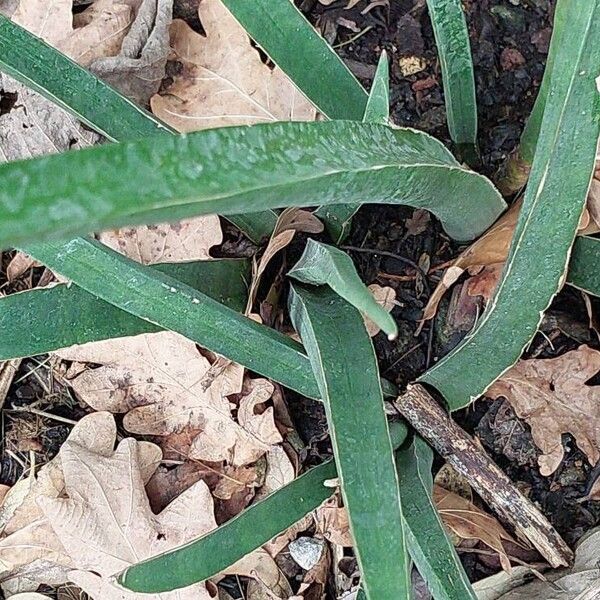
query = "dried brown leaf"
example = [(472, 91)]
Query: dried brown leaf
[(418, 223), (191, 239), (105, 523), (156, 379), (332, 522), (552, 395), (469, 522), (223, 80)]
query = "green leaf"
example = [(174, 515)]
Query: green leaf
[(214, 552), (378, 105), (321, 264), (338, 218), (74, 316), (584, 268), (292, 43), (428, 543), (345, 367), (553, 203), (454, 50), (240, 169), (62, 81), (166, 302)]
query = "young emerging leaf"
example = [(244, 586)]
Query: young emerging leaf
[(321, 264), (345, 366), (240, 169), (454, 50), (337, 218), (552, 207)]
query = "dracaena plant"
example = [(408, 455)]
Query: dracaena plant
[(246, 174)]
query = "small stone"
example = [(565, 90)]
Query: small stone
[(511, 59), (307, 551), (409, 65)]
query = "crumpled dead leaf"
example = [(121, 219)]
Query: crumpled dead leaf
[(288, 223), (469, 522), (96, 32), (139, 68), (553, 397), (332, 522), (223, 80), (105, 524), (29, 545), (156, 379)]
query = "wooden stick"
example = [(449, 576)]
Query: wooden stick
[(421, 410)]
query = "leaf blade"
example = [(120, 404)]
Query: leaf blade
[(454, 51), (336, 341), (74, 316), (34, 63), (164, 301), (226, 171), (433, 553)]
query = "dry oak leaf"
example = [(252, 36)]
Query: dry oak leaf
[(105, 524), (553, 397), (29, 546), (469, 522), (157, 380), (491, 249), (223, 80)]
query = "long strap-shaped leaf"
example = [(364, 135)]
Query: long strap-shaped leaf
[(283, 32), (428, 542), (345, 366), (42, 68), (338, 217), (74, 316), (240, 169), (321, 264), (210, 554), (164, 301), (554, 200), (454, 50)]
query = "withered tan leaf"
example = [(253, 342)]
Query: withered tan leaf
[(553, 397), (223, 79), (105, 523), (332, 522), (29, 545), (156, 379), (103, 26), (190, 239), (469, 522)]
